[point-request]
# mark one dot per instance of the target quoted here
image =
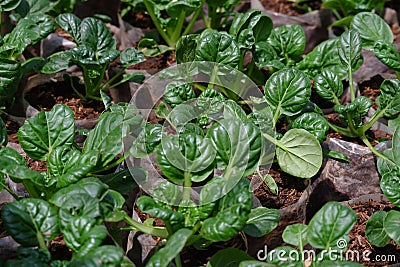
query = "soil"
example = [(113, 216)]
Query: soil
[(290, 8), (44, 97)]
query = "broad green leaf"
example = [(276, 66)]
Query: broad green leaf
[(323, 56), (57, 62), (181, 115), (241, 21), (8, 5), (190, 212), (314, 123), (289, 42), (28, 31), (33, 64), (218, 47), (71, 24), (28, 257), (261, 26), (187, 154), (387, 53), (30, 221), (246, 39), (262, 221), (96, 35), (131, 56), (238, 145), (385, 166), (67, 166), (167, 193), (389, 98), (391, 225), (287, 92), (88, 186), (228, 257), (174, 246), (177, 92), (106, 137), (295, 234), (265, 56), (233, 213), (329, 225), (328, 86), (375, 230), (81, 205), (10, 76), (107, 255), (186, 48), (135, 77), (349, 47), (3, 133), (299, 153), (13, 164), (47, 130), (389, 185), (175, 8), (344, 6), (124, 181), (147, 141), (371, 28), (234, 111), (82, 234), (148, 205)]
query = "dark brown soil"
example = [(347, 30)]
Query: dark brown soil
[(290, 189), (44, 97)]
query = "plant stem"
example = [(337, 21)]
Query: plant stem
[(193, 20), (341, 130), (113, 79), (187, 186), (156, 23), (15, 196), (373, 150), (211, 83), (135, 225), (377, 115), (178, 30), (352, 91)]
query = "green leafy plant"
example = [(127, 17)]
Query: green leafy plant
[(327, 233), (344, 11), (30, 29), (96, 49), (74, 197), (382, 226), (172, 27)]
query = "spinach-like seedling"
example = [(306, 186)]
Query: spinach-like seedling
[(382, 226), (30, 29), (344, 11), (74, 197), (172, 26), (95, 50), (378, 38), (327, 233)]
